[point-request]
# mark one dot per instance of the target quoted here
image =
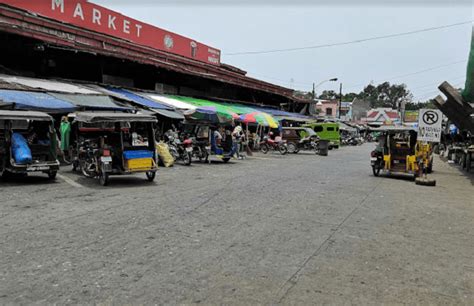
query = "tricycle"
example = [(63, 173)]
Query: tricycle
[(300, 138), (108, 143), (28, 143), (398, 152)]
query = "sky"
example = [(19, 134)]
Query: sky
[(421, 61)]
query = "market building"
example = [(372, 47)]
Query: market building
[(81, 41)]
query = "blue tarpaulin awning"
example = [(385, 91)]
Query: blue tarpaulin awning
[(139, 99), (90, 102), (279, 113), (29, 100)]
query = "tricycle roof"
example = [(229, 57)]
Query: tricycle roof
[(306, 129), (24, 115), (393, 129), (94, 117)]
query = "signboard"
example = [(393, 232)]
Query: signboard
[(430, 125), (87, 15), (411, 116)]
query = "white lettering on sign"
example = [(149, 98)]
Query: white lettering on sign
[(139, 28), (57, 3), (430, 125), (96, 16), (78, 11), (126, 26), (112, 22)]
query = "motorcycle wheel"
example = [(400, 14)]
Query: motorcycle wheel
[(174, 152), (52, 175), (187, 159), (226, 160), (283, 149), (104, 178), (150, 175), (292, 149), (86, 169), (376, 171), (264, 149)]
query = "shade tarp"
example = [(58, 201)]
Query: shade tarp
[(24, 115), (208, 110), (47, 85), (92, 117), (36, 101), (170, 101), (90, 102), (469, 88), (138, 99), (172, 114)]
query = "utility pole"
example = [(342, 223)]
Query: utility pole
[(314, 91), (340, 100)]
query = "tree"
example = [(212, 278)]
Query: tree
[(386, 95), (328, 95)]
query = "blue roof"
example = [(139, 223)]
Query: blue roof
[(139, 99), (28, 100), (278, 113)]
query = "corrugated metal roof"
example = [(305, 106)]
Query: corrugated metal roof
[(36, 101), (90, 102), (16, 115), (47, 85)]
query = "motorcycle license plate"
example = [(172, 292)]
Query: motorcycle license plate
[(106, 159), (189, 149), (373, 159)]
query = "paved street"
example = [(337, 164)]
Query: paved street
[(299, 229)]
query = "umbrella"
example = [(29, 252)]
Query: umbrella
[(210, 114), (259, 118)]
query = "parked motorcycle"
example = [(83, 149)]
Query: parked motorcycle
[(269, 144), (180, 148), (201, 150)]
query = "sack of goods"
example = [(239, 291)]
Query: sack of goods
[(21, 151), (165, 155)]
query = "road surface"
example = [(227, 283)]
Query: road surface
[(299, 229)]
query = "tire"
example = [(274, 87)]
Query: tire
[(187, 159), (104, 178), (150, 176), (226, 160), (292, 149), (283, 149), (468, 163), (174, 152), (376, 171), (52, 175), (430, 168), (75, 165), (264, 148), (85, 171)]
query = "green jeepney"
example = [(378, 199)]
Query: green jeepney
[(327, 131)]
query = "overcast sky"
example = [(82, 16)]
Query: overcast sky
[(267, 25)]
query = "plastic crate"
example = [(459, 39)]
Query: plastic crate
[(137, 154), (138, 164)]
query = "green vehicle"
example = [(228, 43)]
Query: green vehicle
[(327, 131)]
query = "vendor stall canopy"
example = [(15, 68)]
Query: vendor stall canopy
[(90, 102), (93, 117), (35, 101), (141, 100), (24, 115), (48, 85)]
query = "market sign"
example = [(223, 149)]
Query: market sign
[(96, 18), (430, 125)]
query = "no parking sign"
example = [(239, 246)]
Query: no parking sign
[(430, 125)]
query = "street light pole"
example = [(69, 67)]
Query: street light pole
[(321, 83), (340, 100)]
